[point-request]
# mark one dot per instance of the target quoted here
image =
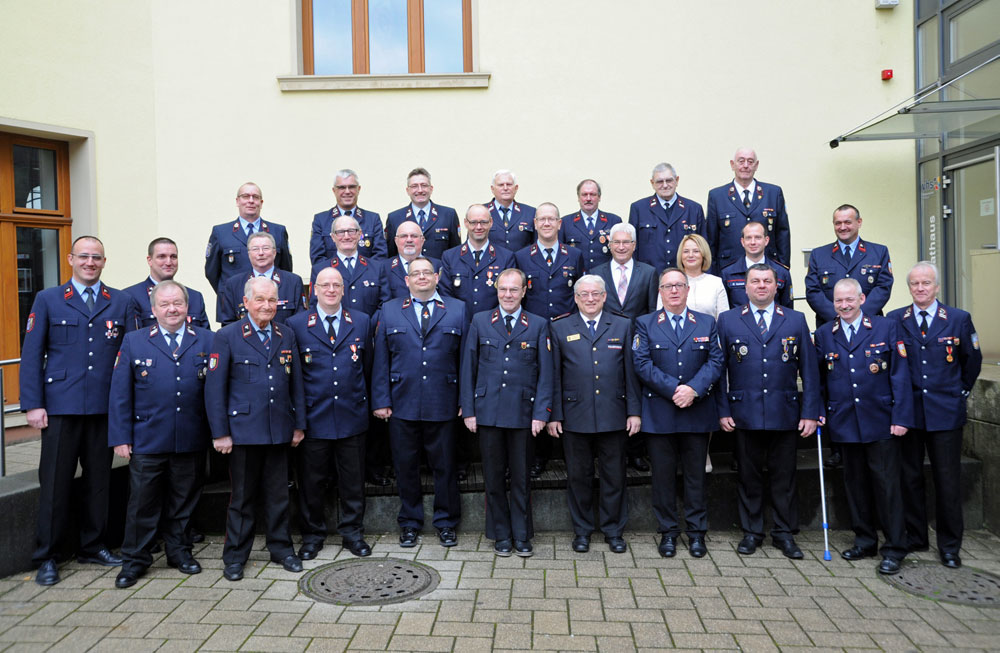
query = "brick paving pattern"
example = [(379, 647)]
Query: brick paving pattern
[(557, 601)]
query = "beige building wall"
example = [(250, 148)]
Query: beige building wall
[(183, 101)]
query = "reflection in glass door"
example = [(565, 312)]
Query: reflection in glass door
[(37, 267), (975, 201)]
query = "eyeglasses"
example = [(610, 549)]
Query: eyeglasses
[(590, 294), (422, 273), (249, 196), (327, 286), (261, 249), (343, 187), (547, 220), (620, 243), (96, 258), (419, 186), (665, 182), (672, 286), (345, 232), (477, 223), (503, 290)]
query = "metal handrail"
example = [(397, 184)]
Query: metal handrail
[(3, 414)]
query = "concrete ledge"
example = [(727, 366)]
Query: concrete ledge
[(382, 82)]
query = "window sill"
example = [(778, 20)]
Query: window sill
[(384, 82)]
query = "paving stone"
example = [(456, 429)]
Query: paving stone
[(279, 624), (227, 638), (420, 643), (564, 642), (371, 637), (137, 625), (683, 621), (473, 644), (80, 639), (787, 633), (502, 616), (753, 643), (130, 644), (610, 629), (455, 611), (586, 610), (633, 614), (704, 640), (415, 623), (462, 630), (189, 612), (512, 636), (584, 593), (368, 617), (276, 644), (528, 588), (233, 617), (607, 644), (552, 623), (324, 645)]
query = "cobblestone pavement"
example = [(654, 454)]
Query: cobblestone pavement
[(558, 600)]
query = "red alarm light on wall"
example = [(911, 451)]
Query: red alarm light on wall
[(887, 74)]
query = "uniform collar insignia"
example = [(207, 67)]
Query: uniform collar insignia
[(236, 225), (495, 316), (247, 330), (362, 260), (190, 330), (908, 312), (746, 309), (524, 319), (439, 303), (662, 317), (866, 322), (777, 309), (347, 317), (276, 278), (534, 250), (395, 262), (578, 216), (264, 226), (492, 251), (313, 317), (464, 250), (277, 331), (943, 314), (104, 292), (691, 318), (680, 202), (68, 291), (153, 330), (406, 303), (563, 250)]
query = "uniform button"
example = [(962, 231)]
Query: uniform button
[(272, 388), (178, 394), (177, 364), (506, 359), (425, 348), (850, 356), (334, 369), (91, 340), (854, 385), (424, 363), (49, 380), (335, 383), (272, 401), (923, 346), (595, 348), (856, 400), (852, 370), (505, 371), (764, 360), (925, 376), (597, 392), (90, 353), (678, 351), (425, 378), (679, 363), (91, 325), (596, 377), (178, 378), (336, 397), (924, 362), (270, 377), (503, 385), (596, 363), (925, 391), (234, 412), (765, 390), (765, 376), (90, 367)]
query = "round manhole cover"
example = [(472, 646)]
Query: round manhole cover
[(965, 586), (378, 581)]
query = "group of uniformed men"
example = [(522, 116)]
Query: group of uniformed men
[(536, 327)]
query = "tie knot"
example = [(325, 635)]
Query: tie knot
[(761, 311), (924, 313), (676, 319), (591, 323)]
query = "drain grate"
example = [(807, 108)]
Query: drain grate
[(378, 581), (965, 586)]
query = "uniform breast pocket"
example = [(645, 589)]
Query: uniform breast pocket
[(647, 232), (828, 278), (698, 351), (529, 352), (247, 371), (63, 331), (441, 235), (142, 373), (396, 337), (453, 338), (488, 349), (233, 255)]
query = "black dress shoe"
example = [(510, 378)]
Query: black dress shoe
[(503, 548), (308, 550), (447, 536), (857, 553), (581, 543), (408, 537), (233, 571), (538, 468), (616, 543), (358, 547), (748, 545), (667, 546), (888, 566), (377, 479), (696, 546), (833, 460), (128, 578), (638, 464), (290, 563), (788, 548), (523, 548), (48, 573), (951, 560), (186, 565), (102, 557)]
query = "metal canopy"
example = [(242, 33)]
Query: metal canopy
[(970, 118)]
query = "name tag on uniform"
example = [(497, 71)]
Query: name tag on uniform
[(572, 337)]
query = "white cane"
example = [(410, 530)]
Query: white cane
[(822, 496)]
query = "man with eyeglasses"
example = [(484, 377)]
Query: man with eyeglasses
[(71, 337), (767, 349), (335, 350), (513, 222), (944, 361), (589, 229), (744, 200), (256, 409), (551, 269), (415, 387), (595, 407), (409, 244), (507, 399), (346, 189), (262, 251), (677, 357), (470, 271), (734, 276), (365, 285), (438, 223), (865, 387), (227, 254), (157, 422), (663, 219), (161, 256)]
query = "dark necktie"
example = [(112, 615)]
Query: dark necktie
[(847, 255), (422, 218), (761, 323), (88, 298), (477, 255), (510, 323), (548, 255), (677, 326), (590, 225), (850, 334), (425, 317), (592, 325), (350, 264), (172, 337), (265, 337), (506, 216), (331, 329), (923, 323), (250, 228), (746, 198)]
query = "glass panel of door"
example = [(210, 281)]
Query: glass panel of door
[(37, 267)]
